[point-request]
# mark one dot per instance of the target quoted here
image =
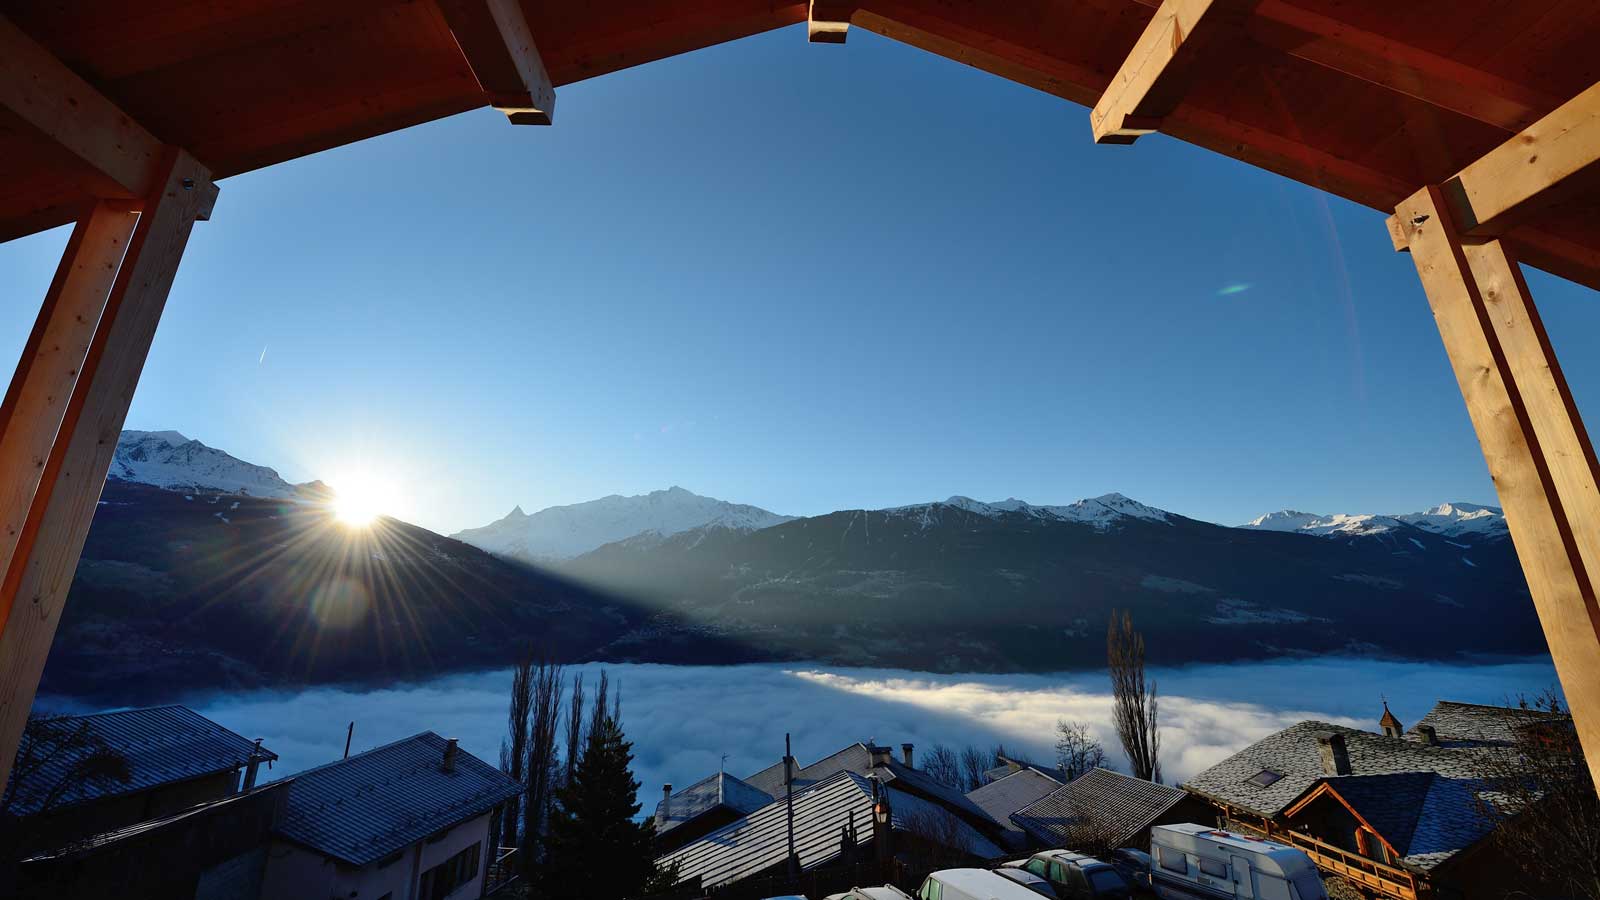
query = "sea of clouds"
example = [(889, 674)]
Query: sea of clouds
[(684, 719)]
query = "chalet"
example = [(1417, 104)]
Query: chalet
[(175, 758), (1006, 795), (1397, 813), (405, 821), (1112, 809)]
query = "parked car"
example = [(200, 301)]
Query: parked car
[(972, 884), (887, 892), (1198, 861), (1134, 866), (1076, 876), (1028, 880)]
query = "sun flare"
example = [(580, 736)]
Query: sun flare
[(357, 502)]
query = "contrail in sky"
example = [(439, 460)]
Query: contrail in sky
[(263, 356)]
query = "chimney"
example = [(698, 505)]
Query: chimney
[(880, 755), (254, 768), (666, 801), (1429, 735), (905, 752), (450, 751), (1335, 758)]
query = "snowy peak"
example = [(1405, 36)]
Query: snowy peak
[(563, 532), (1102, 513), (1446, 519), (167, 459)]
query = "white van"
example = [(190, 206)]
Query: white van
[(972, 884), (1198, 861)]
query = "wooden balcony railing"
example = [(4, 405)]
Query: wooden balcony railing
[(1368, 873)]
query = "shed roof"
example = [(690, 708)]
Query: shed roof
[(857, 758), (363, 808), (162, 744), (1000, 798), (1120, 805)]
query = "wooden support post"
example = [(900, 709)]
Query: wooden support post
[(494, 37), (1158, 70), (51, 360), (828, 21), (46, 552), (1538, 452)]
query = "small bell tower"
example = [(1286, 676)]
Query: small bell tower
[(1391, 726)]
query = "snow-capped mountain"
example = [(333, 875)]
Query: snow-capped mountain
[(167, 459), (563, 532), (1447, 520), (1102, 512)]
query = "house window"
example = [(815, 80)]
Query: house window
[(1265, 778), (439, 881), (1173, 860), (1213, 868)]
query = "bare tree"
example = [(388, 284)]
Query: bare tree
[(1076, 750), (1088, 830), (938, 838), (575, 733), (1134, 699), (941, 764), (514, 750), (1540, 798), (974, 762), (545, 718), (597, 716)]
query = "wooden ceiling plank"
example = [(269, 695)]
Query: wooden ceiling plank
[(120, 157), (495, 39), (828, 21), (1550, 162), (1159, 69)]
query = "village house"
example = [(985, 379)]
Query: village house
[(1107, 809), (1396, 813), (175, 759), (1017, 789), (406, 821)]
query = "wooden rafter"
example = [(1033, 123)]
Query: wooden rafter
[(828, 21), (1400, 67), (494, 37), (1158, 71), (118, 157)]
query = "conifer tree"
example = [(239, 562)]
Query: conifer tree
[(594, 847)]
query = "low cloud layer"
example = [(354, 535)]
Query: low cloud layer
[(683, 719)]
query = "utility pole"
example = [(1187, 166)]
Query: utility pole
[(788, 802)]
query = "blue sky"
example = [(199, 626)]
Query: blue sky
[(809, 278)]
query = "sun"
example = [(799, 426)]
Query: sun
[(357, 502)]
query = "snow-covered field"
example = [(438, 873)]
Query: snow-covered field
[(682, 719)]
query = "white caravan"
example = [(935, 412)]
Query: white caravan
[(972, 884), (1198, 862)]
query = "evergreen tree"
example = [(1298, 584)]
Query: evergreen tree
[(594, 847)]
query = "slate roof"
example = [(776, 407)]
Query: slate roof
[(1427, 817), (162, 744), (1013, 763), (363, 808), (711, 792), (1122, 805), (999, 799), (760, 840), (1293, 754), (1471, 724)]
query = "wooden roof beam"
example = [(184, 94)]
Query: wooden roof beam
[(828, 21), (119, 158), (494, 37), (1554, 160), (1157, 72), (1399, 67)]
